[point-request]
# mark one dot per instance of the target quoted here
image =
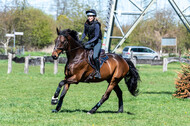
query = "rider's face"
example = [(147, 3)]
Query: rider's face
[(90, 18)]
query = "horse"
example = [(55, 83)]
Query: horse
[(78, 69)]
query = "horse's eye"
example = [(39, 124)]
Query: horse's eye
[(62, 39)]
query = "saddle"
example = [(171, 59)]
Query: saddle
[(102, 58)]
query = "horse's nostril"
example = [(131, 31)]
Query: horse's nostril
[(54, 57)]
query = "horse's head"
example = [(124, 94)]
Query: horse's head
[(65, 41), (61, 43)]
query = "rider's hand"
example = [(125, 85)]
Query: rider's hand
[(80, 41), (84, 44)]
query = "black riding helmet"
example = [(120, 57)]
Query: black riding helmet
[(91, 12)]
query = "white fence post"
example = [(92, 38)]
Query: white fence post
[(56, 66), (165, 64), (9, 63), (42, 65), (26, 65)]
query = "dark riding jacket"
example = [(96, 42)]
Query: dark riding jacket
[(93, 31)]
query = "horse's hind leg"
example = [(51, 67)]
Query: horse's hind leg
[(63, 93), (119, 95), (104, 98), (54, 99)]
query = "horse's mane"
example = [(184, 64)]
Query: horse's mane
[(72, 33)]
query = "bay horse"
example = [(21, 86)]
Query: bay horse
[(77, 69)]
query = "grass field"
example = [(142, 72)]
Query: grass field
[(25, 99)]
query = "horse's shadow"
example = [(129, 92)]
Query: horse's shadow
[(85, 111), (161, 92)]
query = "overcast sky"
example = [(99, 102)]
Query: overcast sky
[(123, 5), (46, 5)]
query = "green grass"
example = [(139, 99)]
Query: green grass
[(25, 99)]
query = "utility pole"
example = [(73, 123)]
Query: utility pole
[(112, 17), (180, 14)]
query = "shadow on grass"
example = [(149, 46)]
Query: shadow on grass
[(161, 92), (85, 111)]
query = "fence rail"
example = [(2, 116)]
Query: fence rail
[(26, 64), (42, 59)]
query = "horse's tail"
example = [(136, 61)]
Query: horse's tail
[(132, 78)]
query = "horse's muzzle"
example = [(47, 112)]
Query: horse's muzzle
[(54, 56)]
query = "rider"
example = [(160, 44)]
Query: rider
[(92, 28)]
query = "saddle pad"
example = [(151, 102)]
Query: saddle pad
[(103, 57)]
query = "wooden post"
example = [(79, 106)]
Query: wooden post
[(165, 64), (56, 66), (26, 65), (42, 65), (9, 63)]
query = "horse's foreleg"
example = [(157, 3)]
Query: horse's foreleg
[(119, 95), (66, 87), (104, 98), (54, 99)]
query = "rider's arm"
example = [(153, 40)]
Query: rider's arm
[(97, 30), (83, 35)]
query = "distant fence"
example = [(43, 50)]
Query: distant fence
[(34, 60), (163, 62), (166, 61), (40, 60), (19, 50)]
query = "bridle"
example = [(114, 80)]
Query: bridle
[(62, 50)]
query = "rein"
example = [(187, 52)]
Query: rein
[(71, 49), (62, 50)]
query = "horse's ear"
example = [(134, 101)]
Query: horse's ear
[(69, 30), (58, 32), (74, 32)]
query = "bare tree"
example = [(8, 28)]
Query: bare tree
[(61, 7), (6, 26), (6, 44)]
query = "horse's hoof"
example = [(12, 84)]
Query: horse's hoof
[(54, 101), (119, 111), (88, 113), (54, 111)]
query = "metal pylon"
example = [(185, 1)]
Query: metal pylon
[(112, 17), (112, 4), (180, 13)]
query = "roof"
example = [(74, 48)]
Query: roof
[(136, 47)]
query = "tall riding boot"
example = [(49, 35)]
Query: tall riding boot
[(97, 64)]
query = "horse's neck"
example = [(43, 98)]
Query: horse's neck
[(75, 51)]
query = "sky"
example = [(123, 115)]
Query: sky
[(123, 5), (46, 5)]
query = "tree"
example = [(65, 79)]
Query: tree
[(61, 7), (150, 32), (183, 37), (5, 45), (183, 83), (74, 17), (38, 28), (6, 26)]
